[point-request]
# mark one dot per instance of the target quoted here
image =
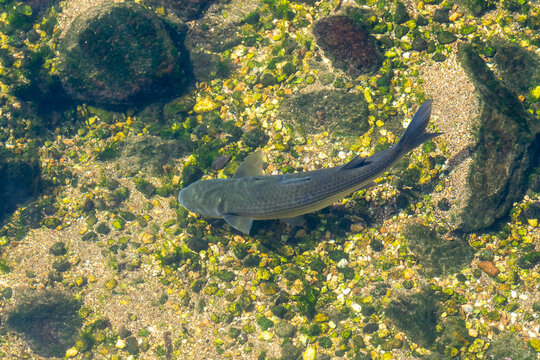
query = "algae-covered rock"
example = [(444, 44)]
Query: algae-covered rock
[(49, 321), (401, 15), (206, 47), (475, 7), (504, 149), (454, 335), (510, 346), (416, 315), (20, 175), (350, 47), (120, 54), (153, 153), (519, 68), (333, 111), (438, 257)]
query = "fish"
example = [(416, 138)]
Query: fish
[(249, 195)]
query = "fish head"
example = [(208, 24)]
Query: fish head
[(203, 197)]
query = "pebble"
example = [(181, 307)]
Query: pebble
[(468, 308), (147, 238), (120, 344), (489, 268), (310, 353), (205, 105), (357, 227), (342, 263), (535, 344), (220, 162), (71, 352)]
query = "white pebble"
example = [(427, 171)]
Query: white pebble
[(342, 263)]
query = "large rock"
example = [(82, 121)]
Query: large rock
[(120, 54), (333, 111), (504, 150), (48, 320), (19, 176), (349, 46)]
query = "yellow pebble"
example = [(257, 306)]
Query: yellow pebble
[(205, 105), (454, 16), (71, 352)]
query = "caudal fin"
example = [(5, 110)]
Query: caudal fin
[(415, 134)]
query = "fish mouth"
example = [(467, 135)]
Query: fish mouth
[(180, 198)]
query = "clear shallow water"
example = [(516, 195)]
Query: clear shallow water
[(139, 276)]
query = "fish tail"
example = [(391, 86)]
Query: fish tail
[(415, 134)]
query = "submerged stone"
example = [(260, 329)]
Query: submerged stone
[(49, 321), (120, 54), (505, 149), (416, 315), (454, 335), (151, 153), (441, 15), (350, 47), (446, 37), (401, 15), (419, 44), (475, 7), (519, 68), (333, 111), (510, 346), (437, 256)]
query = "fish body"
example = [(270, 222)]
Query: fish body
[(249, 195)]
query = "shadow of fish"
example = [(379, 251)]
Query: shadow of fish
[(249, 195)]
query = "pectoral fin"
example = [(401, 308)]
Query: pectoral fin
[(239, 223), (355, 163)]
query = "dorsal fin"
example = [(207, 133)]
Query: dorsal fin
[(355, 163), (251, 166)]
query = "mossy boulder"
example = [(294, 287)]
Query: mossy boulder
[(438, 257), (475, 7), (349, 46), (206, 47), (520, 68), (416, 315), (49, 321), (20, 175), (120, 54), (510, 346), (505, 149), (152, 153), (333, 111)]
